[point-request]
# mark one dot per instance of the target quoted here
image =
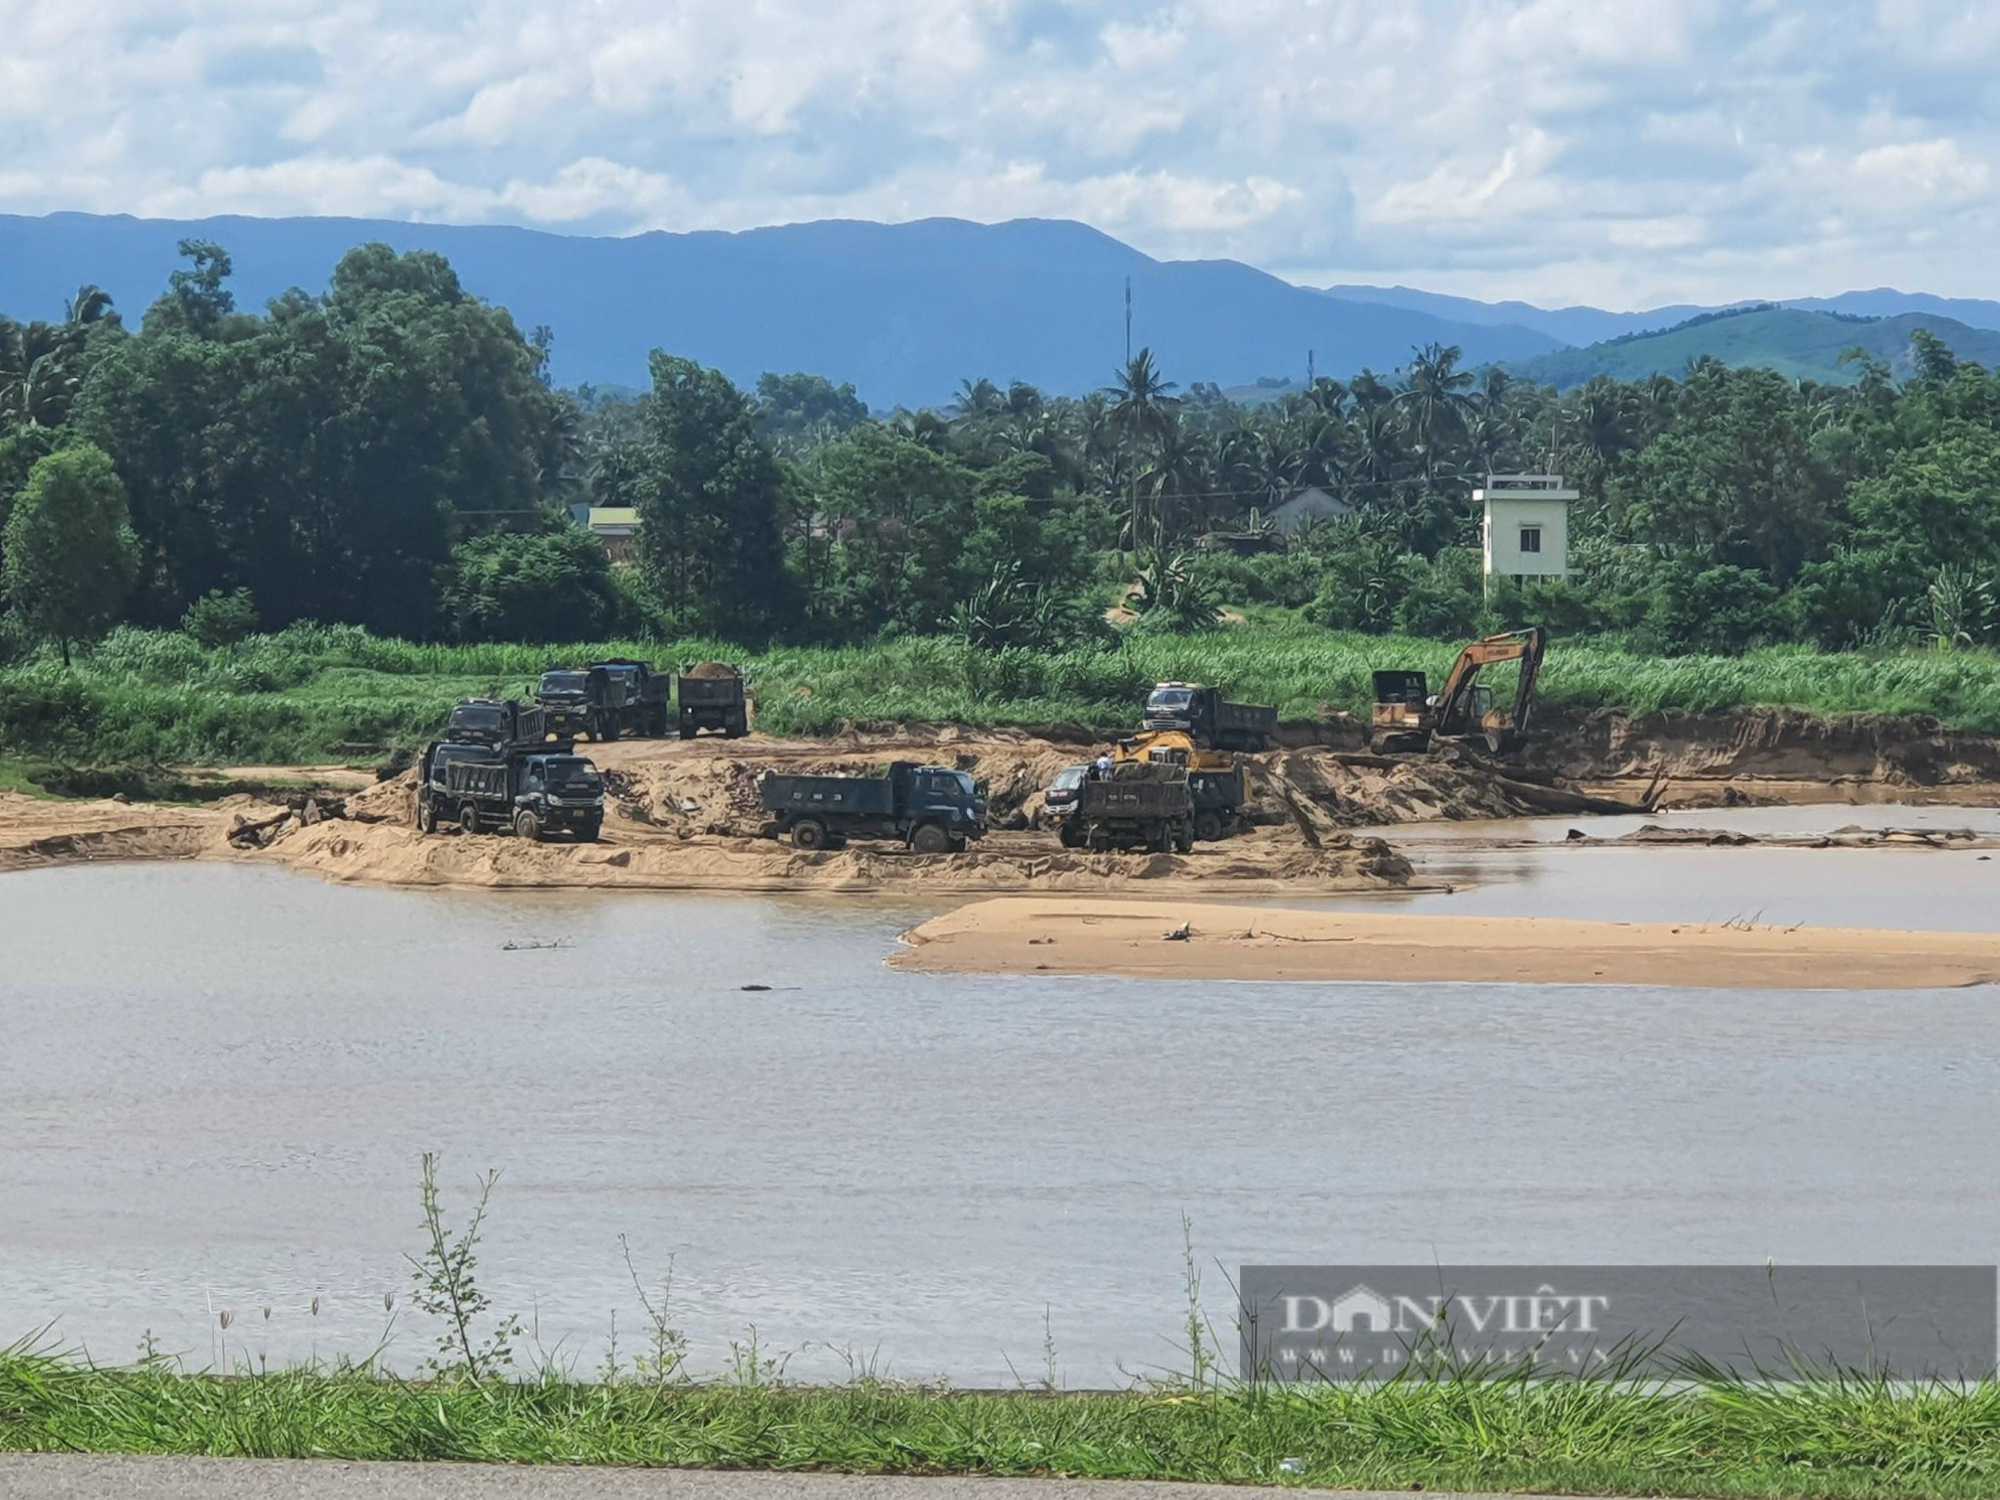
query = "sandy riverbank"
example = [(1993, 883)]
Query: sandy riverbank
[(1190, 940), (36, 833), (684, 816)]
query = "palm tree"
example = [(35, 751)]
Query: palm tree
[(1435, 403), (977, 398), (1142, 412), (42, 364)]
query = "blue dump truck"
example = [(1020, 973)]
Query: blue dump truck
[(642, 699), (933, 809), (579, 701), (534, 791), (1208, 720), (713, 696)]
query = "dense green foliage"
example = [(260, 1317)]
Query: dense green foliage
[(388, 454), (316, 693), (1829, 1437), (70, 553)]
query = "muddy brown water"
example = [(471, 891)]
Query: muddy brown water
[(216, 1082)]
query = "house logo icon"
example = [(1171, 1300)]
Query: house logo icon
[(1361, 1310)]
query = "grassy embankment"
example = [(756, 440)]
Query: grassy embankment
[(1719, 1438), (315, 694)]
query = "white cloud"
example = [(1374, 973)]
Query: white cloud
[(1647, 150)]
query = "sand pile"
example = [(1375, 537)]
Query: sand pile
[(381, 854)]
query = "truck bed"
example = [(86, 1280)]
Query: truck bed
[(840, 796)]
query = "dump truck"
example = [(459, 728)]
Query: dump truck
[(712, 696), (641, 699), (1205, 717), (495, 721), (1215, 778), (1059, 801), (933, 809), (579, 701), (481, 789), (1140, 805), (1409, 718)]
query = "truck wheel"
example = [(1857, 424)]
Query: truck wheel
[(610, 731), (1208, 825), (468, 818), (688, 731), (528, 826), (427, 816), (738, 727), (1157, 839), (928, 838), (809, 833), (1072, 837), (1184, 839), (957, 846), (587, 833)]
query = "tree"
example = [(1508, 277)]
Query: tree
[(1435, 402), (710, 498), (1142, 412), (550, 585), (893, 519), (794, 410), (328, 455), (70, 553), (198, 299)]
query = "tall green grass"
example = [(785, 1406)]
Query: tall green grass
[(1822, 1438), (313, 693)]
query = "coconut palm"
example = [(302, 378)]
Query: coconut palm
[(1142, 407), (1435, 404)]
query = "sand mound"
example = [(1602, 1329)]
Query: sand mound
[(1189, 940)]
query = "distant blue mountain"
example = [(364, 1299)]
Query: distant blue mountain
[(1567, 325), (904, 311), (1591, 325)]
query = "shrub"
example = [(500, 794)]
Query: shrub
[(219, 619)]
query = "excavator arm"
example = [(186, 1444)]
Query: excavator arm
[(1455, 716)]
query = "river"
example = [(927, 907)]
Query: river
[(216, 1082)]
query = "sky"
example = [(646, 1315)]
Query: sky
[(1624, 153)]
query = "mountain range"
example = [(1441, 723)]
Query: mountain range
[(907, 311)]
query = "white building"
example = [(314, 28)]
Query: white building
[(1526, 533)]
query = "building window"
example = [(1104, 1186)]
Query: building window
[(1531, 538)]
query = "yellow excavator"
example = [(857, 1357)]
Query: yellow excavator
[(1215, 777), (1409, 718)]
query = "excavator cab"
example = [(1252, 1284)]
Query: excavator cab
[(1402, 712)]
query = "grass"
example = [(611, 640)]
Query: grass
[(1704, 1433), (313, 694), (1831, 1438)]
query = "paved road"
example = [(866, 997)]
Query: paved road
[(66, 1476)]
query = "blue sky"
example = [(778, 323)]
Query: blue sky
[(1621, 152)]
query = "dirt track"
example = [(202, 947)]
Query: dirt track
[(686, 816)]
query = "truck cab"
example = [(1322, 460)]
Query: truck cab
[(484, 721), (1059, 801), (578, 700)]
